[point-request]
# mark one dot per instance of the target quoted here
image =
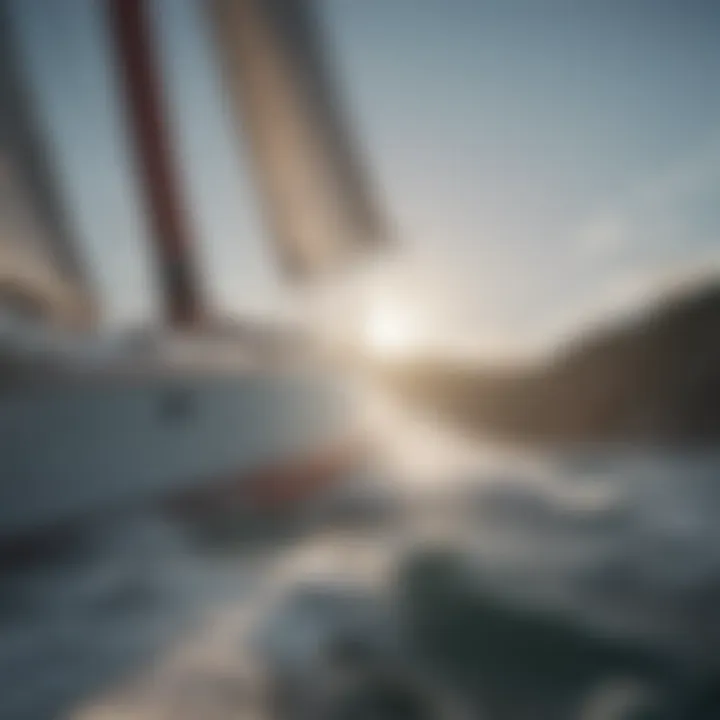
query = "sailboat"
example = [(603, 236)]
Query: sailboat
[(197, 418)]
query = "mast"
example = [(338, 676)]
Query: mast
[(169, 224)]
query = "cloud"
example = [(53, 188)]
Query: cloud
[(603, 236), (653, 213)]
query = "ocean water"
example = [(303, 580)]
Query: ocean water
[(131, 616)]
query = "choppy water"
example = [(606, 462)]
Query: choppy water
[(131, 617)]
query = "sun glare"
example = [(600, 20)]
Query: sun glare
[(391, 331)]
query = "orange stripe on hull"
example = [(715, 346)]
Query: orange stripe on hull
[(278, 487)]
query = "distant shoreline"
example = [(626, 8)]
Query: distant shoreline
[(653, 380)]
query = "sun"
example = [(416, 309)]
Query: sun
[(391, 331)]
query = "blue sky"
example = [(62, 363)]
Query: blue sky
[(544, 156)]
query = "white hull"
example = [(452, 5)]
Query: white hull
[(80, 445)]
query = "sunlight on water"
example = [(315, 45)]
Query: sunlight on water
[(136, 620)]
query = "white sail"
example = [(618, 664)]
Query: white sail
[(319, 207), (40, 273)]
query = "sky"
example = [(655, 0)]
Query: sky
[(537, 159)]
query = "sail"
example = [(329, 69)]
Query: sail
[(318, 204), (40, 273)]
